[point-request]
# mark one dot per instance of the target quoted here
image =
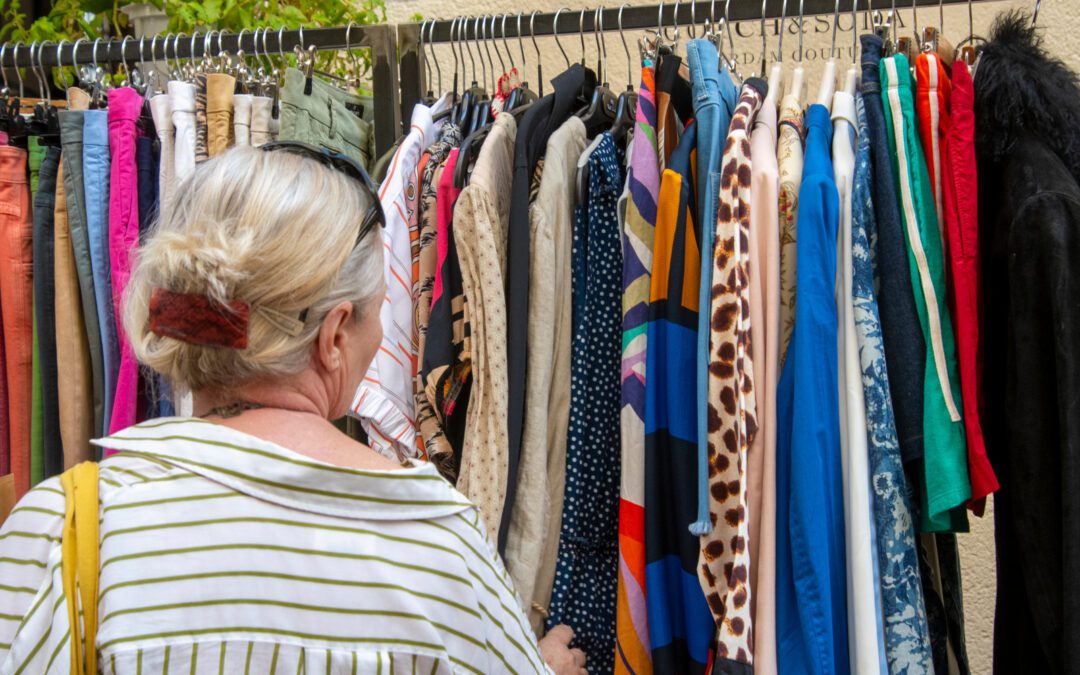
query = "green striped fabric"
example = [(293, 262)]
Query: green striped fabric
[(223, 553)]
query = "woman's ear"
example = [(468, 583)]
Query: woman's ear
[(330, 347)]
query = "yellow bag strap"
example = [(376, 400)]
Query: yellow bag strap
[(80, 566)]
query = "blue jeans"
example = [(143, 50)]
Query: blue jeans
[(715, 96), (96, 189)]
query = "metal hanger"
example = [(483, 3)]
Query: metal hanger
[(429, 97), (776, 74), (581, 33), (967, 47), (728, 59), (828, 78), (59, 64), (626, 105), (495, 44), (539, 63), (555, 34)]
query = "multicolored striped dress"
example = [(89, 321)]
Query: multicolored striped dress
[(631, 624)]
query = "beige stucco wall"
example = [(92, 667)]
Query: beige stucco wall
[(1060, 20)]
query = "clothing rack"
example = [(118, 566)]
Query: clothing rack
[(381, 39), (397, 61), (570, 23)]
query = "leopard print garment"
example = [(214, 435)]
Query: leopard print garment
[(724, 562)]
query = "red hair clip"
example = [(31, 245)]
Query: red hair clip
[(199, 320)]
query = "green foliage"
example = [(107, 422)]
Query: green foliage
[(72, 19)]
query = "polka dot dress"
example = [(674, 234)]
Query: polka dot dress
[(586, 573)]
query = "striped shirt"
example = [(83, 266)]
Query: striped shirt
[(224, 553), (385, 402)]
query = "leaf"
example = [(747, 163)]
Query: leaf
[(95, 6), (212, 11)]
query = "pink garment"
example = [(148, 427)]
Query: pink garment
[(445, 216), (765, 336), (125, 105)]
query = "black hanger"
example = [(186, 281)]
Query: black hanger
[(625, 113)]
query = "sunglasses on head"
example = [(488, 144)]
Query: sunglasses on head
[(344, 164)]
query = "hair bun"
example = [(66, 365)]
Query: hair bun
[(211, 265)]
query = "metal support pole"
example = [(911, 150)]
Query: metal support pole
[(412, 69), (384, 80)]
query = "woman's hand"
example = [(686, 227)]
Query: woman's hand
[(555, 648)]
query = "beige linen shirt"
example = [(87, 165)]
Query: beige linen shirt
[(533, 540)]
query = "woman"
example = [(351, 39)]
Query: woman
[(256, 537)]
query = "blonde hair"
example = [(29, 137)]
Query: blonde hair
[(275, 230)]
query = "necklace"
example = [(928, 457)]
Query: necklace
[(232, 409)]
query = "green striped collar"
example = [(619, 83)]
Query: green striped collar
[(272, 473)]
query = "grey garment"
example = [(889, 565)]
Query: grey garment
[(532, 542), (322, 115), (71, 140)]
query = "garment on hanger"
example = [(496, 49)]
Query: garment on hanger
[(219, 112), (681, 629), (669, 86), (811, 573), (261, 108), (713, 99), (533, 540), (182, 102), (1029, 205), (725, 98), (945, 467), (202, 128), (71, 138), (865, 632), (536, 127), (320, 114), (724, 561), (906, 634), (242, 119), (75, 390), (161, 109), (16, 303), (384, 402), (902, 339), (44, 279), (125, 106), (586, 576), (643, 178), (933, 95), (96, 187), (480, 219), (429, 424), (448, 351), (790, 158), (961, 208), (765, 336)]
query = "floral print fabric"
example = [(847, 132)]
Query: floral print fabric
[(907, 649)]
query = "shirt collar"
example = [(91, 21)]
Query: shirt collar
[(267, 471)]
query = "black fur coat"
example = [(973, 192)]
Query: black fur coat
[(1027, 114)]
